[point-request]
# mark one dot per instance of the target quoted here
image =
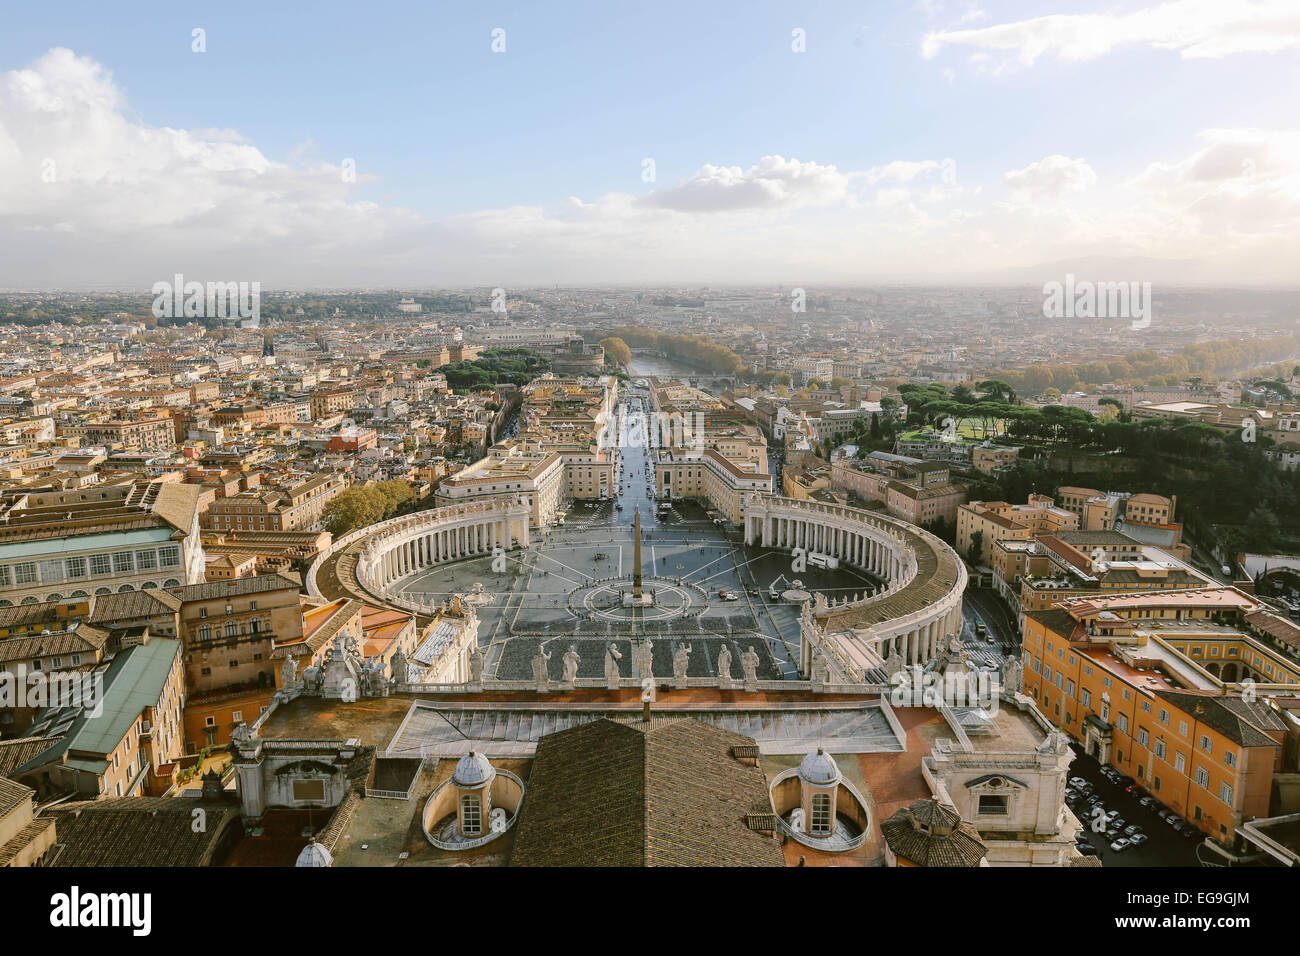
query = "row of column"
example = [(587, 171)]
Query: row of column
[(844, 543), (437, 546)]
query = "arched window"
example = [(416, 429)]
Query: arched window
[(470, 816), (821, 814)]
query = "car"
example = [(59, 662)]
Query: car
[(1079, 783), (1167, 816), (1120, 845), (1149, 802), (1111, 815), (1113, 833), (1119, 823), (1131, 829), (1086, 849), (1137, 839), (1184, 828), (1174, 820), (1127, 782)]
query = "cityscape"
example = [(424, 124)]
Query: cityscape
[(905, 505)]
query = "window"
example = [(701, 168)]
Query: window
[(1143, 736), (209, 721), (1085, 697), (1206, 745), (1122, 723), (4, 575), (52, 570), (146, 560), (76, 567), (1164, 716), (1230, 758), (1180, 762), (1160, 748), (471, 814), (1182, 728), (309, 791), (100, 564), (122, 562), (236, 716), (1202, 777), (1225, 793), (169, 556), (25, 573), (993, 804)]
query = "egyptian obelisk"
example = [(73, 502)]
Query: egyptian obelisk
[(636, 557)]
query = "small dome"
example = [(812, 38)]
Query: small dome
[(473, 770), (820, 768), (313, 854)]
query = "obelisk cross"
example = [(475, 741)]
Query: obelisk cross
[(636, 556)]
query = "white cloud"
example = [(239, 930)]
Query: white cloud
[(1050, 177), (1193, 28), (773, 183), (132, 203)]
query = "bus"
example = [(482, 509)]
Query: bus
[(823, 561)]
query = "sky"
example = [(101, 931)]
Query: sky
[(427, 145)]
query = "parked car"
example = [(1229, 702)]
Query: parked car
[(1131, 829), (1114, 833), (1092, 799), (1080, 784), (1149, 802), (1174, 820), (1111, 815), (1137, 839), (1119, 823), (1167, 816), (1120, 845), (1086, 849)]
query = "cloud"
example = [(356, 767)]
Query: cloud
[(130, 203), (1050, 177), (773, 183), (1240, 182), (1193, 28)]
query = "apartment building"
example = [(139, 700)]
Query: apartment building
[(126, 741), (292, 507), (57, 545), (1152, 685), (994, 520), (155, 434)]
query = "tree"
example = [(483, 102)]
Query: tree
[(616, 351), (839, 381), (976, 553), (354, 508)]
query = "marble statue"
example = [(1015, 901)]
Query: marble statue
[(539, 666), (241, 735), (645, 659), (724, 662), (289, 673), (749, 663), (681, 661), (570, 661), (893, 664), (796, 819), (1013, 675), (612, 657), (498, 819), (476, 665)]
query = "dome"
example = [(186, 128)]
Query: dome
[(473, 770), (313, 854), (820, 769)]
